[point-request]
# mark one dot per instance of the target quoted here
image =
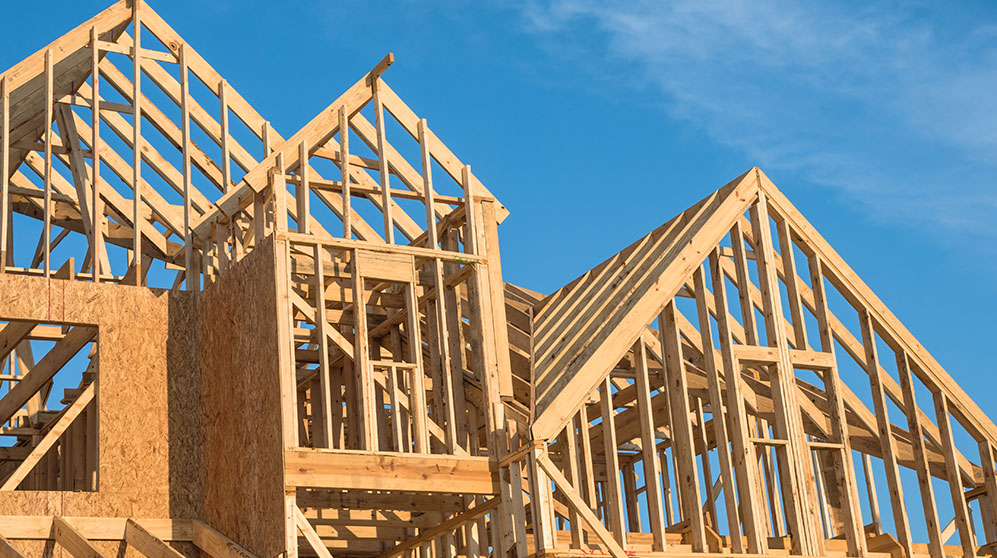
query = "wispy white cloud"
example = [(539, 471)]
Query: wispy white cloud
[(893, 104)]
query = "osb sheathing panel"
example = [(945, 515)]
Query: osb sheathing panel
[(147, 385), (243, 479)]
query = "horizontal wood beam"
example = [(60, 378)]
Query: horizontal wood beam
[(358, 470), (40, 527)]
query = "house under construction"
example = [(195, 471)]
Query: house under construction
[(220, 342)]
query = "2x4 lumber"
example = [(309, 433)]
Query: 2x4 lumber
[(107, 46), (136, 263), (612, 500), (324, 401), (924, 484), (417, 408), (12, 335), (432, 240), (585, 461), (361, 361), (147, 543), (956, 489), (717, 409), (794, 462), (78, 168), (576, 502), (570, 459), (67, 419), (306, 529), (541, 504), (844, 473), (47, 207), (383, 174), (27, 71), (302, 189), (5, 140), (702, 447), (989, 502), (216, 544), (652, 470), (344, 168), (358, 470), (69, 538), (442, 351), (792, 284), (43, 371), (742, 452), (192, 277), (683, 448), (490, 245), (226, 140), (40, 527), (886, 438), (288, 391), (8, 551), (744, 294)]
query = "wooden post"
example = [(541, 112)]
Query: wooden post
[(383, 170), (137, 216), (96, 205), (885, 432), (652, 472), (613, 501), (935, 548), (47, 218), (361, 360), (845, 471), (795, 470), (717, 408), (427, 185), (4, 171), (956, 489), (344, 165), (683, 449), (742, 450), (193, 274)]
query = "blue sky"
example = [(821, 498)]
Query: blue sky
[(594, 126)]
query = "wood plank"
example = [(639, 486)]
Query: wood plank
[(311, 536), (147, 543), (69, 538), (956, 489), (935, 542), (359, 470), (886, 439), (649, 454), (8, 551), (216, 544)]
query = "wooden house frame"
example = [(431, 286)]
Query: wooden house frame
[(305, 347)]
